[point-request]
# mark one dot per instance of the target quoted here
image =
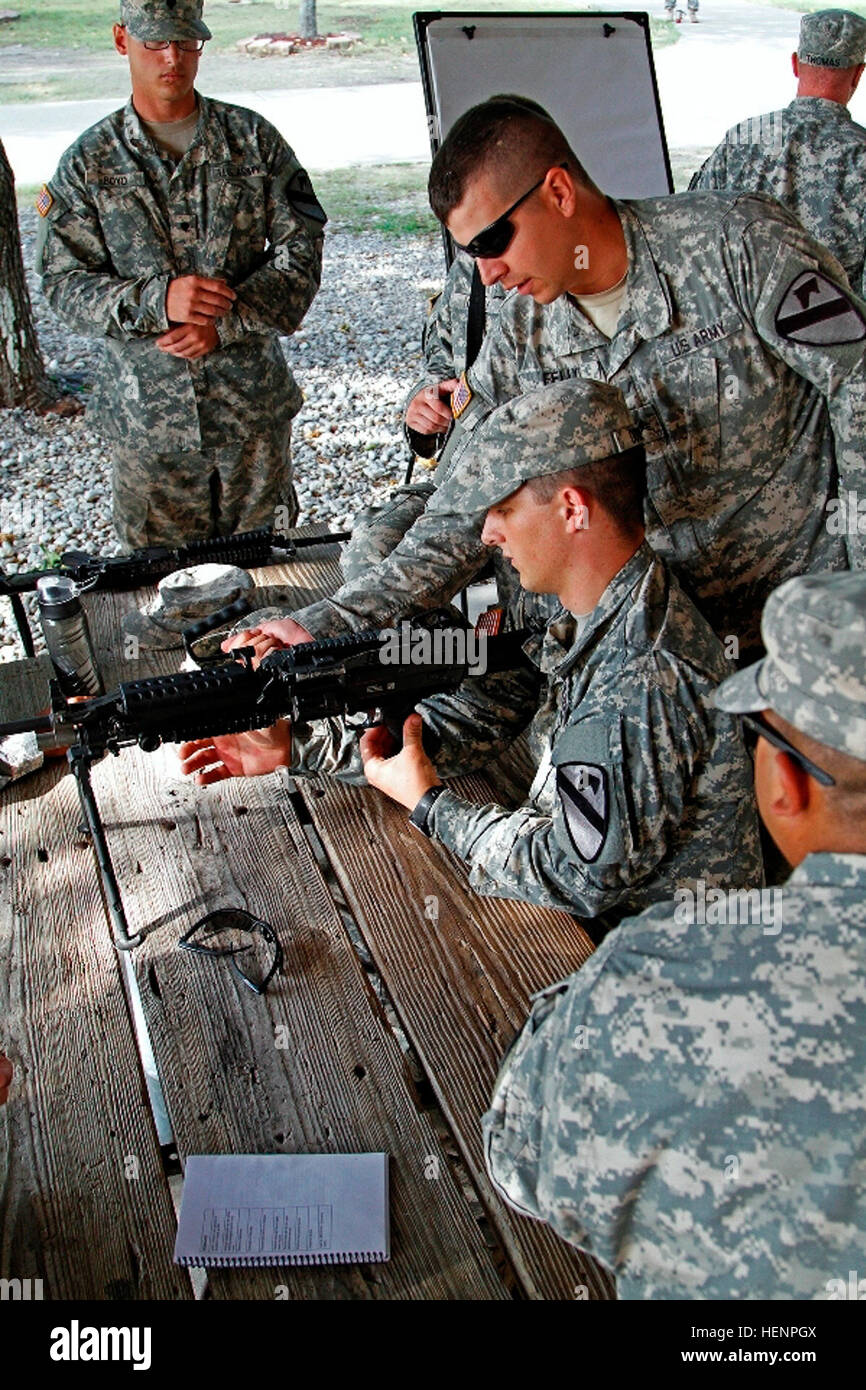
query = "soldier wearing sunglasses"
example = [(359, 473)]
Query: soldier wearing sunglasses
[(706, 1141), (184, 232), (732, 334)]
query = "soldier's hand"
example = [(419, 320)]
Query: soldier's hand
[(271, 636), (250, 754), (196, 299), (5, 1077), (189, 340), (261, 643), (430, 412), (406, 776)]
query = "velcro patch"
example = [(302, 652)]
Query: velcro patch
[(490, 621), (44, 201), (302, 197), (584, 794), (461, 397), (816, 311)]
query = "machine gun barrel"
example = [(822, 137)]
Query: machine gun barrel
[(246, 549)]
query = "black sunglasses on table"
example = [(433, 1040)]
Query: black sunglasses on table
[(757, 728), (492, 240), (224, 933)]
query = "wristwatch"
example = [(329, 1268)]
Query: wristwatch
[(418, 818)]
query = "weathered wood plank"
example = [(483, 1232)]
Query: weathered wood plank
[(84, 1202), (460, 969), (339, 1082), (24, 687)]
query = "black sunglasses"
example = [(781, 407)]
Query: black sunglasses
[(493, 240), (757, 728), (222, 934)]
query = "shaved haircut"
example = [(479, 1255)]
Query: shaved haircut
[(510, 139)]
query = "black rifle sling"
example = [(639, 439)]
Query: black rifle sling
[(476, 321)]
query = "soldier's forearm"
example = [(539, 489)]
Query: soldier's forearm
[(275, 297), (406, 583), (97, 304), (516, 854)]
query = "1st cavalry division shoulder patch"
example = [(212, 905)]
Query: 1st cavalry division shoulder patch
[(44, 201), (583, 793), (815, 311)]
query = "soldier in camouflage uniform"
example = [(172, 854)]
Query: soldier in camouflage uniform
[(689, 1107), (731, 333), (812, 155), (185, 232), (640, 784), (427, 416)]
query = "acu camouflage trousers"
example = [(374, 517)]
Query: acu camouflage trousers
[(170, 499)]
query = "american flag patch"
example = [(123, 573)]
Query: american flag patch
[(44, 201), (461, 397), (490, 621)]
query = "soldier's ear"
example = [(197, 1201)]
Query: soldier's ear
[(120, 44), (560, 189), (795, 64), (791, 791)]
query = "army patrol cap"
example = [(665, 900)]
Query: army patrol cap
[(566, 425), (164, 19), (832, 39), (814, 673)]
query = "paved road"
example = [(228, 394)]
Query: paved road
[(734, 63)]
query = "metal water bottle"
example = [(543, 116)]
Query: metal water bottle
[(67, 636)]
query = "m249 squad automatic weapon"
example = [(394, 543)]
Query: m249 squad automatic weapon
[(378, 674)]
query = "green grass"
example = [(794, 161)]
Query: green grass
[(389, 198), (86, 24), (812, 5)]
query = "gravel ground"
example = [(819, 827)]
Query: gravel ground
[(355, 356)]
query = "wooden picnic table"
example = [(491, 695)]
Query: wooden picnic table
[(399, 992)]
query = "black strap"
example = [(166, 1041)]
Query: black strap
[(476, 321)]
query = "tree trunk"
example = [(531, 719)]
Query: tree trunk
[(22, 371), (308, 19)]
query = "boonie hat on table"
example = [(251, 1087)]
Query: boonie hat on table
[(184, 598)]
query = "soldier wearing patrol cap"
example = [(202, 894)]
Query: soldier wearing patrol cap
[(811, 155), (690, 1106), (184, 232), (640, 783)]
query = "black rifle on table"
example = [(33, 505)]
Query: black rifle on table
[(342, 676), (247, 549)]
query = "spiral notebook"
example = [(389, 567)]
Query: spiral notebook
[(283, 1209)]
